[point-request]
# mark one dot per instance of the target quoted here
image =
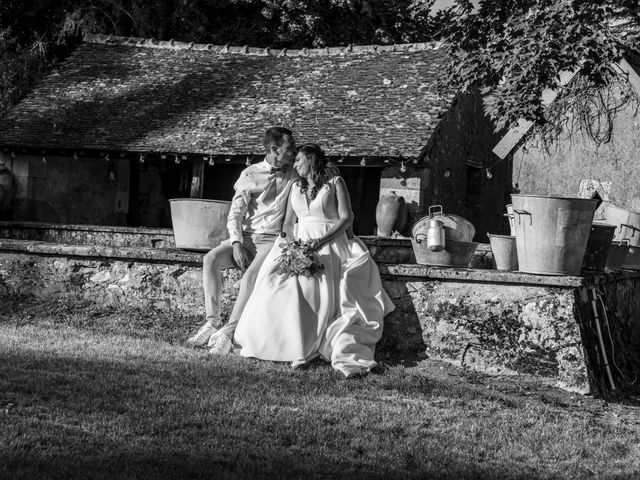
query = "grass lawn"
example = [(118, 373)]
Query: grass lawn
[(108, 392)]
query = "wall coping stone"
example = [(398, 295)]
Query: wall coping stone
[(86, 227), (174, 255), (369, 240)]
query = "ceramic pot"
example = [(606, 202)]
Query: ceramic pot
[(391, 214)]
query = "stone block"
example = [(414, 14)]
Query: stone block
[(101, 276), (401, 183)]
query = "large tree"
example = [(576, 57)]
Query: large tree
[(516, 49)]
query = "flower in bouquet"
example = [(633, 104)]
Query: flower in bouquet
[(298, 258)]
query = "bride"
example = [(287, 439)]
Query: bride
[(338, 314)]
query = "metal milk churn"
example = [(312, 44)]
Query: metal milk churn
[(435, 232)]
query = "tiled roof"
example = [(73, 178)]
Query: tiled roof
[(136, 95)]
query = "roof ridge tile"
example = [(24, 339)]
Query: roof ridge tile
[(247, 50)]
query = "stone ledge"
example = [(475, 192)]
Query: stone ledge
[(87, 227), (383, 249), (177, 256), (155, 255), (474, 318)]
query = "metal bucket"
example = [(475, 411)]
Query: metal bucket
[(617, 252), (199, 224), (627, 223), (632, 258), (504, 251), (598, 246), (552, 233)]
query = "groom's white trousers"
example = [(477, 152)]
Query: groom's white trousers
[(221, 257)]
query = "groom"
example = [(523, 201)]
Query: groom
[(254, 222)]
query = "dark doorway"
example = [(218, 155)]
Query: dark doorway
[(364, 188)]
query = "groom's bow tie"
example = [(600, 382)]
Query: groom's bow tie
[(282, 168)]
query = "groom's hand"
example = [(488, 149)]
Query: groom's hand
[(314, 244), (241, 256)]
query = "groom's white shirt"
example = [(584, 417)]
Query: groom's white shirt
[(260, 201)]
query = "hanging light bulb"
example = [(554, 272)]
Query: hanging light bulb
[(106, 158), (447, 173), (184, 157), (13, 154), (163, 156), (211, 162), (403, 168), (489, 176), (363, 162), (141, 158), (176, 159), (248, 162), (44, 159)]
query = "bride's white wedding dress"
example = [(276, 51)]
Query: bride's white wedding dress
[(337, 315)]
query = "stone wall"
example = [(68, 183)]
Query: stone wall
[(458, 156), (495, 322)]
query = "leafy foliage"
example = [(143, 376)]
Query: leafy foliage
[(517, 49)]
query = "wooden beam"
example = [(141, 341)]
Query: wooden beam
[(197, 178), (515, 134)]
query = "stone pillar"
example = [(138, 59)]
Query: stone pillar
[(410, 185)]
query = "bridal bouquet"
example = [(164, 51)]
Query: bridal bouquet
[(297, 258)]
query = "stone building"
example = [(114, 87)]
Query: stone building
[(125, 124), (560, 170)]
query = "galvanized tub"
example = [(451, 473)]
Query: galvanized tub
[(455, 254), (199, 224), (617, 253), (551, 232), (627, 224), (632, 258), (598, 246)]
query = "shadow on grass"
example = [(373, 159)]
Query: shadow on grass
[(233, 418)]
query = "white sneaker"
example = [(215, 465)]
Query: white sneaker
[(201, 338), (221, 345)]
